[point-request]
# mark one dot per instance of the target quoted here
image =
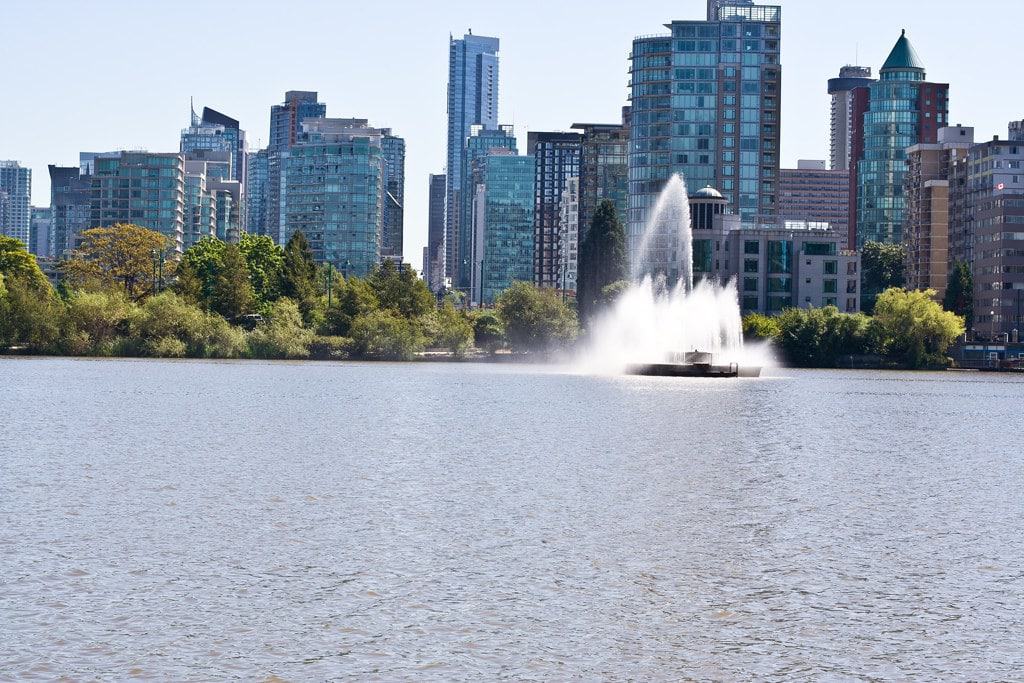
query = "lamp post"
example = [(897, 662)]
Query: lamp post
[(330, 283), (158, 270)]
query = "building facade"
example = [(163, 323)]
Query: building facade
[(813, 193), (842, 113), (256, 185), (903, 110), (40, 231), (433, 259), (503, 223), (392, 243), (706, 104), (333, 191), (604, 169), (569, 236), (556, 160), (926, 227), (15, 201), (472, 101), (144, 188), (70, 191)]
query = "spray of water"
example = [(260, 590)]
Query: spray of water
[(652, 322)]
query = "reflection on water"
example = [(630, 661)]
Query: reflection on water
[(307, 521)]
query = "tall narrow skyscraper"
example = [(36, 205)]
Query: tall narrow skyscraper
[(557, 159), (472, 101), (433, 260), (841, 127), (902, 110), (392, 242), (15, 201), (706, 104)]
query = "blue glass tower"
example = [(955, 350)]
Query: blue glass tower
[(472, 101)]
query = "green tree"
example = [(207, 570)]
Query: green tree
[(913, 328), (17, 262), (819, 337), (30, 312), (265, 261), (401, 291), (535, 319), (453, 330), (298, 276), (386, 335), (96, 323), (757, 326), (233, 293), (353, 297), (199, 269), (959, 297), (882, 267), (125, 256), (168, 326), (603, 260), (488, 332), (282, 335)]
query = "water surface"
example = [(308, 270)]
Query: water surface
[(199, 520)]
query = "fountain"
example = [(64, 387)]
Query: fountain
[(679, 329)]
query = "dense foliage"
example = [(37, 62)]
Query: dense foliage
[(603, 260), (882, 267), (535, 319), (959, 297)]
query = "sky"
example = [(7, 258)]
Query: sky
[(118, 74)]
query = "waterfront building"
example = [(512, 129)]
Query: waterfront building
[(481, 142), (556, 160), (503, 223), (569, 236), (333, 191), (70, 189), (604, 168), (472, 102), (40, 228), (212, 203), (898, 111), (813, 193), (392, 242), (15, 201), (144, 188), (256, 187), (926, 226), (433, 259), (285, 129), (706, 104), (842, 120)]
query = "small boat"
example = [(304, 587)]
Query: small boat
[(692, 364)]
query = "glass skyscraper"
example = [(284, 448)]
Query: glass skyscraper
[(557, 159), (503, 208), (15, 200), (393, 147), (472, 101), (256, 180), (902, 110), (706, 104)]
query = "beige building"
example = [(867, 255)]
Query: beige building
[(926, 224)]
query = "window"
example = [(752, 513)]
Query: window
[(831, 267), (750, 284), (851, 286), (830, 287), (780, 256), (750, 303), (750, 266), (750, 247)]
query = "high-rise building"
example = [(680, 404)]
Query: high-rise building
[(70, 189), (217, 133), (16, 202), (926, 223), (481, 142), (813, 193), (902, 109), (256, 186), (392, 243), (144, 188), (212, 204), (472, 101), (556, 160), (841, 129), (1017, 131), (40, 231), (706, 104), (285, 128), (604, 168), (989, 232), (502, 217), (569, 236), (433, 261), (333, 191)]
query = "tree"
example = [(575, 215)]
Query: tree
[(96, 322), (353, 297), (282, 335), (298, 274), (386, 335), (817, 337), (168, 326), (453, 330), (912, 327), (265, 261), (17, 262), (123, 255), (30, 313), (603, 260), (488, 332), (401, 291), (200, 266), (959, 297), (760, 327), (232, 293), (882, 267), (535, 319)]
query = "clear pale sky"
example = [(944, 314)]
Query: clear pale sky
[(117, 74)]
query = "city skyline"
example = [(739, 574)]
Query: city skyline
[(143, 112)]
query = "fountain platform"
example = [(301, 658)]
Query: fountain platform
[(693, 364)]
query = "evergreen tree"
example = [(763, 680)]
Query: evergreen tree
[(959, 297), (233, 293), (882, 268), (298, 276), (603, 259)]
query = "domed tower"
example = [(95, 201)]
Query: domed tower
[(705, 204)]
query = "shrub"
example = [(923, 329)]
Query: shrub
[(385, 335), (914, 328), (282, 336), (93, 321), (535, 319), (452, 330), (488, 332), (760, 327)]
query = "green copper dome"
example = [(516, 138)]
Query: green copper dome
[(903, 56)]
